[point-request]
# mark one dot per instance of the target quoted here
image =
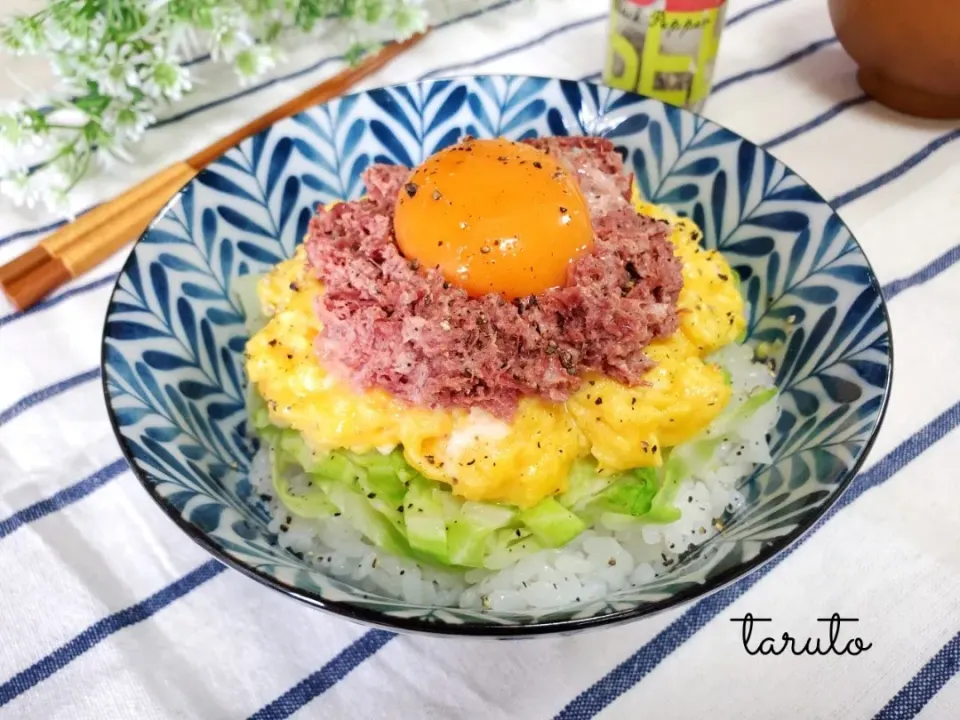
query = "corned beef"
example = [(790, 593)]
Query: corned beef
[(391, 324)]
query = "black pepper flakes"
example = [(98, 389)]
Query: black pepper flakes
[(599, 401), (537, 165), (563, 210), (371, 495), (272, 343), (411, 189), (294, 286)]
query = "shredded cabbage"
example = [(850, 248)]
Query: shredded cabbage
[(403, 512)]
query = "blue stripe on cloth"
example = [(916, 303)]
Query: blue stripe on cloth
[(57, 299), (101, 630), (908, 164), (778, 65), (326, 677), (914, 696), (622, 678), (516, 48), (931, 270), (21, 234), (60, 500), (35, 398), (817, 121), (744, 14)]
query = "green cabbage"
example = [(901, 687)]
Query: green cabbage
[(404, 513)]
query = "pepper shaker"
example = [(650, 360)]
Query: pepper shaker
[(665, 49)]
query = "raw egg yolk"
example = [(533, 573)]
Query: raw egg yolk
[(494, 216)]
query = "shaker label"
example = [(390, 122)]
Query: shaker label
[(665, 49)]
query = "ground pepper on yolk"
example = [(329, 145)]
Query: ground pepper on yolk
[(494, 216)]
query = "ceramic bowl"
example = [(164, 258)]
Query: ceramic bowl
[(174, 336)]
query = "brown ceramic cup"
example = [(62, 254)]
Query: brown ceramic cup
[(908, 52)]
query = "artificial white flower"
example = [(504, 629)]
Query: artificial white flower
[(163, 76), (59, 39), (22, 35), (97, 30), (119, 61), (254, 62), (410, 17), (129, 119), (231, 35), (12, 158), (115, 146), (183, 40), (21, 189), (17, 125), (115, 71)]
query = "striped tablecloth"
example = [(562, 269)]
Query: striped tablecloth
[(108, 611)]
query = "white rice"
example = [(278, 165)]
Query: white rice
[(596, 564)]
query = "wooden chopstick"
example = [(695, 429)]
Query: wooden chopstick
[(95, 236)]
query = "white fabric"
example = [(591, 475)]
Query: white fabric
[(229, 646)]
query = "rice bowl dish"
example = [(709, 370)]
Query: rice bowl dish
[(377, 385)]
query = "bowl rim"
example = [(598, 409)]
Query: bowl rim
[(539, 628)]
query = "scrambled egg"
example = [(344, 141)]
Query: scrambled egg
[(480, 457)]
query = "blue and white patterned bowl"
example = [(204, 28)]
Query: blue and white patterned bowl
[(174, 336)]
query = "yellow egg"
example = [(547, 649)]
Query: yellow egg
[(631, 427), (710, 303), (485, 459), (482, 458), (494, 216)]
